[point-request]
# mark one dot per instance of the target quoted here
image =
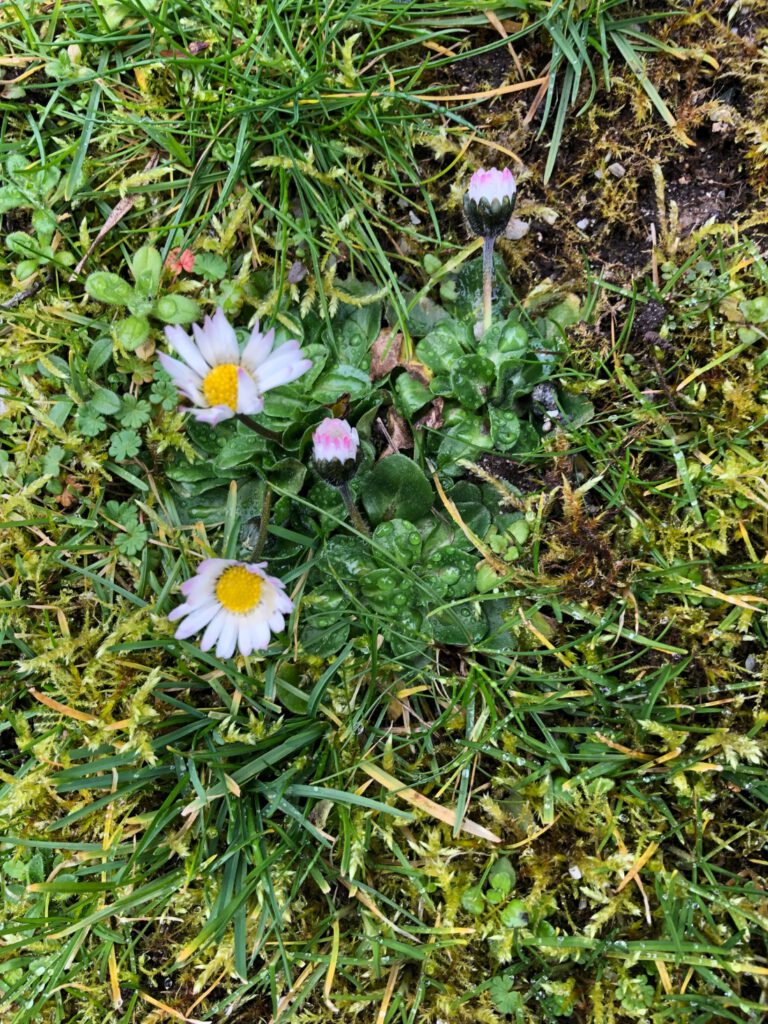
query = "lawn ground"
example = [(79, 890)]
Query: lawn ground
[(516, 776)]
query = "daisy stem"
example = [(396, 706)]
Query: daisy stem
[(357, 520), (270, 435), (266, 505), (487, 281)]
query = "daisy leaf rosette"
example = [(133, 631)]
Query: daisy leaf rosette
[(489, 201), (221, 381), (237, 604)]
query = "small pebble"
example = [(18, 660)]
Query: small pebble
[(582, 224), (517, 229), (617, 170), (297, 272), (574, 871)]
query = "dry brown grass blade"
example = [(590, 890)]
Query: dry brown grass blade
[(115, 216), (639, 864), (497, 24), (411, 796), (496, 563)]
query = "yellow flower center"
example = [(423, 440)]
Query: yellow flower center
[(220, 386), (239, 590)]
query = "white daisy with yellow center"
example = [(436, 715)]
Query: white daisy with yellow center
[(236, 603), (220, 380)]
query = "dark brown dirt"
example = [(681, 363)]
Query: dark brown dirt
[(608, 217)]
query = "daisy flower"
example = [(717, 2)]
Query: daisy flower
[(218, 378), (236, 603)]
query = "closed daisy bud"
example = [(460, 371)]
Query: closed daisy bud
[(221, 381), (335, 450), (489, 201), (236, 604)]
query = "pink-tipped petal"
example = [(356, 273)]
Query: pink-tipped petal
[(335, 439), (222, 337), (274, 374), (181, 342), (184, 377), (257, 349), (492, 184)]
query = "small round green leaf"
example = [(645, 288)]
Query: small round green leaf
[(514, 915), (132, 332), (505, 428), (471, 377), (396, 489), (411, 394), (443, 346), (473, 900), (400, 540), (147, 265), (176, 309), (109, 289)]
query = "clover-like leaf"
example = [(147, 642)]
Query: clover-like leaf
[(88, 421), (134, 412), (125, 444)]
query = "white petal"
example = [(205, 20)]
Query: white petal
[(276, 623), (207, 571), (248, 398), (211, 635), (184, 377), (283, 366), (255, 631), (244, 643), (187, 349), (213, 415), (257, 349), (225, 648), (195, 621), (217, 339), (199, 589)]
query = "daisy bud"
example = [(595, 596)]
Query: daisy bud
[(335, 452), (489, 201)]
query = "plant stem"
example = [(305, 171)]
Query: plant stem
[(487, 281), (357, 520), (270, 435), (266, 505)]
